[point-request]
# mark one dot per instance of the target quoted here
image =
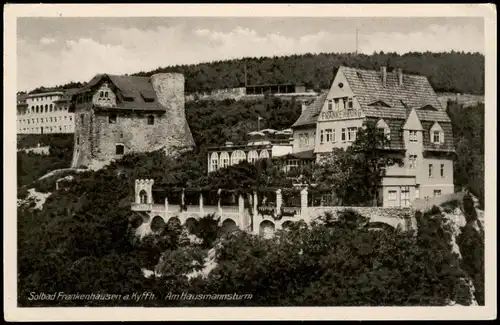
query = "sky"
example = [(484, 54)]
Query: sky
[(56, 50)]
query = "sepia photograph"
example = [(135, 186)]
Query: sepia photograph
[(234, 157)]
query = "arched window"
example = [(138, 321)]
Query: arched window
[(264, 154), (214, 161), (151, 119), (253, 156), (51, 107), (237, 156), (46, 108), (143, 196), (36, 109), (224, 160)]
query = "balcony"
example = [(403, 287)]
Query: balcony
[(342, 115), (401, 171), (142, 206)]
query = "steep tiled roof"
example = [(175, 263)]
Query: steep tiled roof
[(396, 127), (448, 144), (415, 92), (138, 89), (68, 93), (310, 114)]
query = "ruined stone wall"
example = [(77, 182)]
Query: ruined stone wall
[(131, 130), (390, 216), (83, 138), (169, 88), (97, 138)]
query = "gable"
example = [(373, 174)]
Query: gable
[(381, 124), (340, 86), (413, 122), (379, 103), (428, 107)]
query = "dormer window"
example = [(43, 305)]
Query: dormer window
[(383, 128), (436, 137), (436, 134)]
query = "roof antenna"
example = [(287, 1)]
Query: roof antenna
[(356, 41)]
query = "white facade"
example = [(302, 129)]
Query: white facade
[(45, 113)]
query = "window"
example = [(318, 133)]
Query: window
[(330, 104), (101, 94), (405, 196), (151, 119), (214, 161), (253, 156), (77, 140), (292, 163), (442, 170), (224, 160), (143, 197), (264, 154), (112, 119), (321, 136), (430, 170), (344, 134), (413, 136), (352, 134), (337, 104), (120, 149), (349, 103), (437, 193), (237, 156), (105, 94), (50, 107), (392, 195), (46, 108), (71, 118), (413, 161), (436, 136), (329, 135)]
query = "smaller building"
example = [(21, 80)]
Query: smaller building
[(264, 144), (43, 113), (275, 89)]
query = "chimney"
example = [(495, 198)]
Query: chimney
[(400, 76), (383, 74)]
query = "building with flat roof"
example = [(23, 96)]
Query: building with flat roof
[(43, 113), (263, 144)]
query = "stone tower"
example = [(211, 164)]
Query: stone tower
[(116, 115)]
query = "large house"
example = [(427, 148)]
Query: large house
[(46, 112), (406, 108), (115, 115)]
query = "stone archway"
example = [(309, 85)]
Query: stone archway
[(174, 222), (377, 225), (286, 224), (266, 229), (191, 224), (157, 224), (229, 226)]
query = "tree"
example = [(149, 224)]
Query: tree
[(356, 174)]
